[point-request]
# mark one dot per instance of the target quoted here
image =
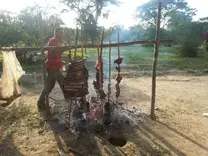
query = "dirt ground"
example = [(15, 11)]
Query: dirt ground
[(180, 129)]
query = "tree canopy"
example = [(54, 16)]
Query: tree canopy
[(88, 12), (177, 23), (170, 9)]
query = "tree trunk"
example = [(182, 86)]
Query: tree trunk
[(154, 68)]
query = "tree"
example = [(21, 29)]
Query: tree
[(170, 8), (88, 12), (51, 22), (203, 22), (29, 18), (9, 28)]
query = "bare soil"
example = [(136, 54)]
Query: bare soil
[(180, 129)]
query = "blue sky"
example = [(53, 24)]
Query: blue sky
[(122, 15)]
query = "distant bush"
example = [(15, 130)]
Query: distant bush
[(188, 47)]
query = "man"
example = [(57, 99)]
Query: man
[(53, 65)]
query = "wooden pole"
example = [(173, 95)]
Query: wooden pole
[(154, 67), (109, 68), (76, 40), (101, 62), (85, 43), (43, 58), (118, 45), (27, 49), (82, 37)]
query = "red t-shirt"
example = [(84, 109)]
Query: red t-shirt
[(54, 60)]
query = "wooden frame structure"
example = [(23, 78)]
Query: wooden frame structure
[(156, 42)]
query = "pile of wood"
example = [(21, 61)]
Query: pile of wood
[(76, 80)]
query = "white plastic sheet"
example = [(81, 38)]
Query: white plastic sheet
[(12, 72)]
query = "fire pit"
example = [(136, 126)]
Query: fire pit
[(117, 141)]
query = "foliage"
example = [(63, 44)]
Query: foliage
[(23, 30), (176, 20), (189, 38), (137, 58), (188, 48), (88, 12), (9, 28), (148, 11), (29, 18)]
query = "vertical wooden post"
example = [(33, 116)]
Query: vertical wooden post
[(154, 67), (109, 68), (43, 57)]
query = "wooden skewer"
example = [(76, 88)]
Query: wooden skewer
[(109, 79), (98, 61), (117, 84), (85, 43), (75, 51), (118, 45), (101, 62), (82, 53), (74, 151), (69, 109)]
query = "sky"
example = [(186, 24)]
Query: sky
[(122, 15)]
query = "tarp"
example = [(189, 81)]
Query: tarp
[(12, 71)]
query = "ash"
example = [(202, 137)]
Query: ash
[(86, 136), (82, 122)]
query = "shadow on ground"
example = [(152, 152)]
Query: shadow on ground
[(8, 148)]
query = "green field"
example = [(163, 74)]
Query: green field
[(136, 58)]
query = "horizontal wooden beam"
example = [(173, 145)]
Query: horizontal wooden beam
[(30, 49)]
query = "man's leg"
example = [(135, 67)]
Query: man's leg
[(60, 80), (50, 83)]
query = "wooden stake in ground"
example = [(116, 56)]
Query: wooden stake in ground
[(43, 58), (154, 68)]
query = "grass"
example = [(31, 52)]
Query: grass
[(139, 58), (136, 58)]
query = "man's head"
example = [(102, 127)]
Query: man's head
[(58, 33)]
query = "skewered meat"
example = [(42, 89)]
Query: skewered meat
[(118, 60), (118, 78), (117, 90), (75, 82)]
